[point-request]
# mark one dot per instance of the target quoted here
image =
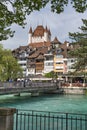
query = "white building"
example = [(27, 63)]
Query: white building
[(48, 63), (70, 62)]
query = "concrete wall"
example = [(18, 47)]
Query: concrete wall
[(7, 118), (74, 90)]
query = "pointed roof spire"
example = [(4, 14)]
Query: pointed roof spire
[(30, 31), (49, 32), (56, 41), (46, 29)]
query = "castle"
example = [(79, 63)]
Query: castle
[(40, 34)]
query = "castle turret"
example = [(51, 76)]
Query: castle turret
[(46, 34), (49, 35), (30, 36)]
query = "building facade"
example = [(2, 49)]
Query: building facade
[(42, 55)]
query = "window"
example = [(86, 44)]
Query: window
[(22, 58), (59, 56), (59, 69), (72, 60), (49, 64), (59, 62)]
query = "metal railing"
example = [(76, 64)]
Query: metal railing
[(42, 120)]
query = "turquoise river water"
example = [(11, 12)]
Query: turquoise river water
[(58, 103)]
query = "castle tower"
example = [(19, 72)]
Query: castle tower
[(40, 34)]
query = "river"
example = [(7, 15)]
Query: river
[(58, 103)]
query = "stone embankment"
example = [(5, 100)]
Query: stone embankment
[(74, 88)]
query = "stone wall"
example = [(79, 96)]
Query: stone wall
[(74, 90), (7, 118)]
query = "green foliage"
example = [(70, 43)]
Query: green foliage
[(15, 11), (80, 43), (51, 74), (9, 68)]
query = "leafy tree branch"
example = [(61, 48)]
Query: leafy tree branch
[(15, 11)]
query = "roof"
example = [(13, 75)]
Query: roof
[(66, 47), (40, 56), (20, 48), (39, 31), (39, 52), (30, 31), (40, 44), (56, 41)]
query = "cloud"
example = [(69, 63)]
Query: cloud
[(59, 24)]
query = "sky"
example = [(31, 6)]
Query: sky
[(59, 24)]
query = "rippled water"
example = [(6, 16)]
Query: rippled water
[(63, 103)]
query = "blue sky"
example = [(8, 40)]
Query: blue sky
[(59, 24)]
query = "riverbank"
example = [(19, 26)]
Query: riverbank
[(74, 88)]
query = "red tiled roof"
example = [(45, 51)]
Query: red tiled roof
[(40, 44), (39, 31), (20, 48), (30, 31), (40, 56), (56, 41), (42, 51)]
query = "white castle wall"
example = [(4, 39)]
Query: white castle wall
[(33, 39), (37, 39)]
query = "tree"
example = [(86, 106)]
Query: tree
[(9, 68), (15, 11), (51, 74), (79, 40)]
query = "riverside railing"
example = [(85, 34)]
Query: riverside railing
[(42, 120)]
